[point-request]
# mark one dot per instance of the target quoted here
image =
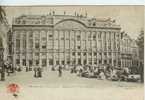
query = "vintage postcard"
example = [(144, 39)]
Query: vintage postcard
[(69, 52)]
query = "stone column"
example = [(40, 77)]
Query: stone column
[(92, 48), (14, 50), (69, 48), (40, 53), (96, 43), (112, 47), (54, 62), (64, 33), (107, 43), (87, 55), (27, 45), (21, 47), (117, 52), (75, 46), (47, 61), (86, 46), (40, 59), (81, 33), (121, 63), (102, 45), (59, 48), (34, 63)]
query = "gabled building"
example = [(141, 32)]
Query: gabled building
[(4, 28), (129, 52)]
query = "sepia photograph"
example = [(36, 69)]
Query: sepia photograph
[(66, 52)]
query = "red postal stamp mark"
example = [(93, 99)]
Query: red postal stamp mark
[(13, 88)]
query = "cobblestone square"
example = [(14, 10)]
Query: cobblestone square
[(69, 86)]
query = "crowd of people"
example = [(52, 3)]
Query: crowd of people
[(88, 71), (105, 72)]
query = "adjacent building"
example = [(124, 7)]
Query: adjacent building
[(50, 40), (129, 52), (4, 28)]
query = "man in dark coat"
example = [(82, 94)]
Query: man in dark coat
[(60, 71)]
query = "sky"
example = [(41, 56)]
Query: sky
[(73, 2), (130, 18)]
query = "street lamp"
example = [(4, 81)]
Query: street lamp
[(2, 69)]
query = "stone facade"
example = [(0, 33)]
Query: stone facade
[(52, 40), (129, 52), (4, 28)]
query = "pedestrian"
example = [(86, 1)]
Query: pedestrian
[(9, 69), (80, 71), (53, 69), (96, 72), (71, 70), (141, 72), (102, 75), (60, 71), (35, 73), (18, 68), (39, 72)]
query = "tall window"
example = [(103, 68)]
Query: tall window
[(37, 45), (24, 62), (78, 47), (105, 54), (105, 61), (43, 46), (99, 35), (43, 62), (94, 37), (36, 54), (85, 62), (110, 61), (43, 38), (30, 43), (37, 62), (30, 35), (17, 43), (100, 61), (90, 62), (105, 44), (95, 61), (24, 43), (17, 61), (109, 41), (57, 62), (95, 53), (89, 36), (73, 53), (79, 53), (79, 61), (30, 62), (78, 37), (73, 61), (62, 62), (90, 54), (50, 36), (50, 61), (68, 62)]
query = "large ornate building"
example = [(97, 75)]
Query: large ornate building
[(50, 40)]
